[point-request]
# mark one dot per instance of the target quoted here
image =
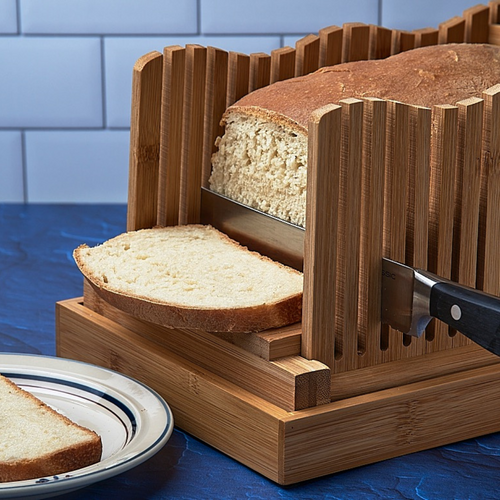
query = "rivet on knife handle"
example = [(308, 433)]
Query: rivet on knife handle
[(473, 313)]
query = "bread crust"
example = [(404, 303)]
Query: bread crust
[(175, 315), (50, 464), (427, 76), (240, 320)]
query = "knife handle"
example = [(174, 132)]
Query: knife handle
[(473, 313)]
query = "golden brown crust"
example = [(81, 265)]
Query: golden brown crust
[(241, 320), (441, 74), (51, 464), (267, 115)]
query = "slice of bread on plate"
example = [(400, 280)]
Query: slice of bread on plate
[(192, 276), (36, 441)]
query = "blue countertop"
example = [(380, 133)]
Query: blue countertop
[(37, 270)]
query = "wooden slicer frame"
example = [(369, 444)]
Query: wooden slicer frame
[(418, 185)]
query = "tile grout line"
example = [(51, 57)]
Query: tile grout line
[(18, 17), (103, 85), (198, 17), (24, 161), (24, 164)]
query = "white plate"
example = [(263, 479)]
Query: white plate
[(134, 422)]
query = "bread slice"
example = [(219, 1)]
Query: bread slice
[(261, 159), (192, 276), (37, 441)]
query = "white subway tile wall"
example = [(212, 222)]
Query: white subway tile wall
[(8, 17), (411, 14), (65, 82), (50, 82), (108, 17), (282, 16), (88, 166)]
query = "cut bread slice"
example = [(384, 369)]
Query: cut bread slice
[(37, 441), (192, 276)]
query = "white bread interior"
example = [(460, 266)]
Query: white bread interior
[(37, 441), (262, 163)]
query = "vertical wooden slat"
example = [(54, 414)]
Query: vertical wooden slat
[(374, 132), (417, 230), (494, 26), (405, 41), (307, 55), (470, 114), (396, 186), (169, 181), (260, 70), (282, 64), (477, 20), (426, 36), (320, 246), (396, 192), (419, 187), (494, 36), (467, 196), (489, 262), (192, 147), (380, 42), (452, 31), (215, 105), (144, 141), (395, 40), (356, 45), (443, 162), (238, 77), (349, 232), (330, 46), (494, 12)]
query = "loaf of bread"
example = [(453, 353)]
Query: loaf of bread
[(261, 159), (192, 276), (37, 441)]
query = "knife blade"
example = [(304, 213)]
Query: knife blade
[(412, 297), (257, 230)]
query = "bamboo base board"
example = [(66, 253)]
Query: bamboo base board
[(289, 446)]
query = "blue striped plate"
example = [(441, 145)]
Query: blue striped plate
[(134, 422)]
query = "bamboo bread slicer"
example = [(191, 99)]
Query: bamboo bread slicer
[(417, 185)]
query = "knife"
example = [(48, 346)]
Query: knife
[(410, 297), (257, 230)]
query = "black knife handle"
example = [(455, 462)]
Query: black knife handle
[(473, 313)]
